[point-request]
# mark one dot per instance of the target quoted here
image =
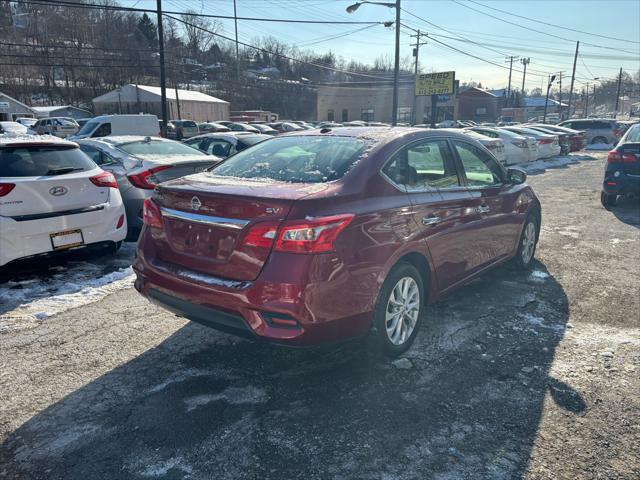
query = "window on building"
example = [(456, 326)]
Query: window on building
[(330, 115), (404, 114), (367, 115), (481, 111), (345, 115)]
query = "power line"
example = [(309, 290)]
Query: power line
[(554, 25), (538, 31), (264, 50), (473, 56), (70, 4)]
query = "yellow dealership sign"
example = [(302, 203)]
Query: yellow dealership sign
[(435, 83)]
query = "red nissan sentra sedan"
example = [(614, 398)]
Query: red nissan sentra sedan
[(324, 235)]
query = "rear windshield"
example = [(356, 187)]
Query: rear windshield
[(188, 123), (38, 161), (157, 148), (308, 159)]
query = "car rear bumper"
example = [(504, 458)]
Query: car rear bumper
[(20, 239), (623, 184), (297, 300)]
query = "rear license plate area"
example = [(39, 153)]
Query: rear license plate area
[(68, 239)]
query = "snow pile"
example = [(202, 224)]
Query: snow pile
[(33, 296), (554, 162), (95, 289), (599, 146)]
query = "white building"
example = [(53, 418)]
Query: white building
[(183, 104)]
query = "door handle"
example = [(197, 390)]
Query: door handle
[(431, 220), (483, 209)]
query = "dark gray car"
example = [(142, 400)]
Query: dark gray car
[(140, 163)]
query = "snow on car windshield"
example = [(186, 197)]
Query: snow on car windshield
[(155, 149), (308, 159)]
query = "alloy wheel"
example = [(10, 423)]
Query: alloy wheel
[(528, 242), (403, 308)]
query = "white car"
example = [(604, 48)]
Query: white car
[(548, 144), (12, 127), (518, 148), (54, 197)]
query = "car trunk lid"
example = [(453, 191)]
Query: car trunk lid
[(205, 220)]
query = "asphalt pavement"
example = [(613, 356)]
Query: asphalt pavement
[(530, 375)]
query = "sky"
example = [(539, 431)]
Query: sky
[(466, 25)]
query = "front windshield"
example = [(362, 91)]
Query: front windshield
[(88, 127), (304, 159), (157, 148)]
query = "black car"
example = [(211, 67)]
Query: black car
[(622, 174)]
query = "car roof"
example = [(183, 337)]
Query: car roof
[(227, 135), (380, 134), (7, 139), (122, 139)]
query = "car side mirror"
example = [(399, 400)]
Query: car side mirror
[(516, 176)]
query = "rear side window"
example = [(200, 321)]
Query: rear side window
[(634, 134), (480, 168), (423, 166), (304, 159), (38, 161)]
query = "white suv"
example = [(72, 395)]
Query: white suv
[(54, 197)]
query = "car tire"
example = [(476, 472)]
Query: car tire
[(528, 243), (608, 200), (401, 302), (601, 140)]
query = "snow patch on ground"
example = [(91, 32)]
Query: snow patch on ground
[(162, 468), (33, 296), (95, 290), (232, 395), (555, 162), (181, 376), (599, 146)]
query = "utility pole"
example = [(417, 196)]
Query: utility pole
[(396, 71), (573, 78), (586, 104), (235, 20), (163, 79), (511, 59), (524, 62), (416, 52), (618, 93), (560, 106)]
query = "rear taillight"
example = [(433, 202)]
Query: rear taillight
[(311, 236), (616, 132), (104, 179), (261, 235), (120, 222), (519, 143), (5, 188), (544, 141), (620, 157), (146, 180), (151, 214)]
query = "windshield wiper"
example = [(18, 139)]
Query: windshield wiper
[(63, 170)]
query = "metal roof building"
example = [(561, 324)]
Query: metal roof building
[(62, 111), (10, 109), (187, 104)]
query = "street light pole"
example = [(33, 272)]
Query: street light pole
[(546, 99), (396, 69)]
